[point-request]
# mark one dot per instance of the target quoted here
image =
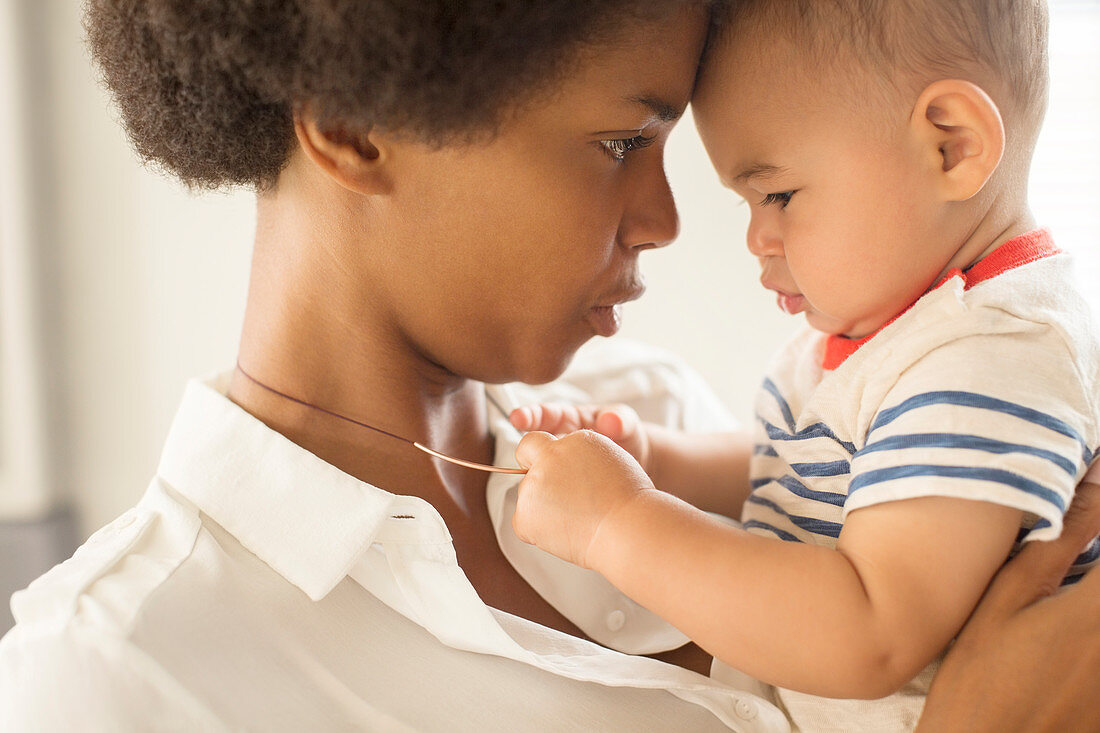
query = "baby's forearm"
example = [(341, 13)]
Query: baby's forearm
[(790, 614), (707, 470)]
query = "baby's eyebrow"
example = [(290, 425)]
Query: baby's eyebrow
[(758, 170)]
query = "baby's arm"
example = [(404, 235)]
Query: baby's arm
[(856, 621), (707, 470)]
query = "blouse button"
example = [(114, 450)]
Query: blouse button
[(744, 709), (616, 620)]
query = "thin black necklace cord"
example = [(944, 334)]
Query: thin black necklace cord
[(418, 446), (285, 396)]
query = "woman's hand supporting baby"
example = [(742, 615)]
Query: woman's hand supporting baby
[(1029, 657)]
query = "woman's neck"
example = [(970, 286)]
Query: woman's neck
[(310, 333)]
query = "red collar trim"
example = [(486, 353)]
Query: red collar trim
[(1018, 251)]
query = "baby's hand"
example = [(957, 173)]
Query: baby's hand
[(572, 485), (618, 422)]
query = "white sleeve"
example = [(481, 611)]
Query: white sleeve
[(68, 680), (1002, 418)]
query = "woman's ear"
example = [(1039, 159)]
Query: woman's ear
[(962, 130), (355, 160)]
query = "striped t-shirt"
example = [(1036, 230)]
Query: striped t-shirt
[(986, 388)]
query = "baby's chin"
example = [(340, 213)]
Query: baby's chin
[(844, 328)]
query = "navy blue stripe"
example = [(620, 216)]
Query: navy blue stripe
[(994, 475), (1024, 532), (764, 450), (1072, 579), (831, 468), (966, 442), (754, 524), (814, 526), (1091, 553), (818, 430), (984, 402), (785, 408), (796, 487)]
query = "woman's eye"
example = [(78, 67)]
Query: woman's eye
[(618, 149), (782, 198)]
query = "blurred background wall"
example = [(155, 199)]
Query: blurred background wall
[(116, 285)]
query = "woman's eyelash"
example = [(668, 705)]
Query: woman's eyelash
[(782, 198), (618, 149)]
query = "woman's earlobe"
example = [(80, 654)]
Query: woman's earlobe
[(962, 128), (351, 158)]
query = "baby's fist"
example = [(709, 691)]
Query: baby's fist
[(572, 485)]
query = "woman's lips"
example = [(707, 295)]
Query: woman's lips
[(606, 319)]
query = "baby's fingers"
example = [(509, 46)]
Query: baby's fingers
[(531, 447), (549, 418), (618, 422)]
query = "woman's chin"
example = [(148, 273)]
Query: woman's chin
[(542, 363), (530, 360), (540, 372)]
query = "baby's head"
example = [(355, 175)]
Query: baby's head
[(879, 142)]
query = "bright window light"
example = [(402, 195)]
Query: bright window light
[(1065, 174)]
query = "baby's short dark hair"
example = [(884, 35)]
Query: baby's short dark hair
[(911, 43), (207, 89)]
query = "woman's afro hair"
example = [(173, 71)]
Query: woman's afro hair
[(208, 89)]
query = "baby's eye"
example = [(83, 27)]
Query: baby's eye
[(618, 149), (782, 198)]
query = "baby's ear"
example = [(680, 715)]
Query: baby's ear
[(356, 159), (961, 128)]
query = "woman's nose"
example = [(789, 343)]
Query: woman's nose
[(763, 239), (651, 219)]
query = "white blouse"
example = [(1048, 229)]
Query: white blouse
[(256, 587)]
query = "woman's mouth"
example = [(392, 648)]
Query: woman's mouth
[(606, 319)]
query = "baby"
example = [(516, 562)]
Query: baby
[(939, 409)]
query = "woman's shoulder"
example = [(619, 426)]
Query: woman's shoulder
[(105, 583), (71, 656), (67, 679)]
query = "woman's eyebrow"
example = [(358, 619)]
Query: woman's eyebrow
[(664, 110), (659, 109)]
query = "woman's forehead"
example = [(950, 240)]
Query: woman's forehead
[(646, 69)]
